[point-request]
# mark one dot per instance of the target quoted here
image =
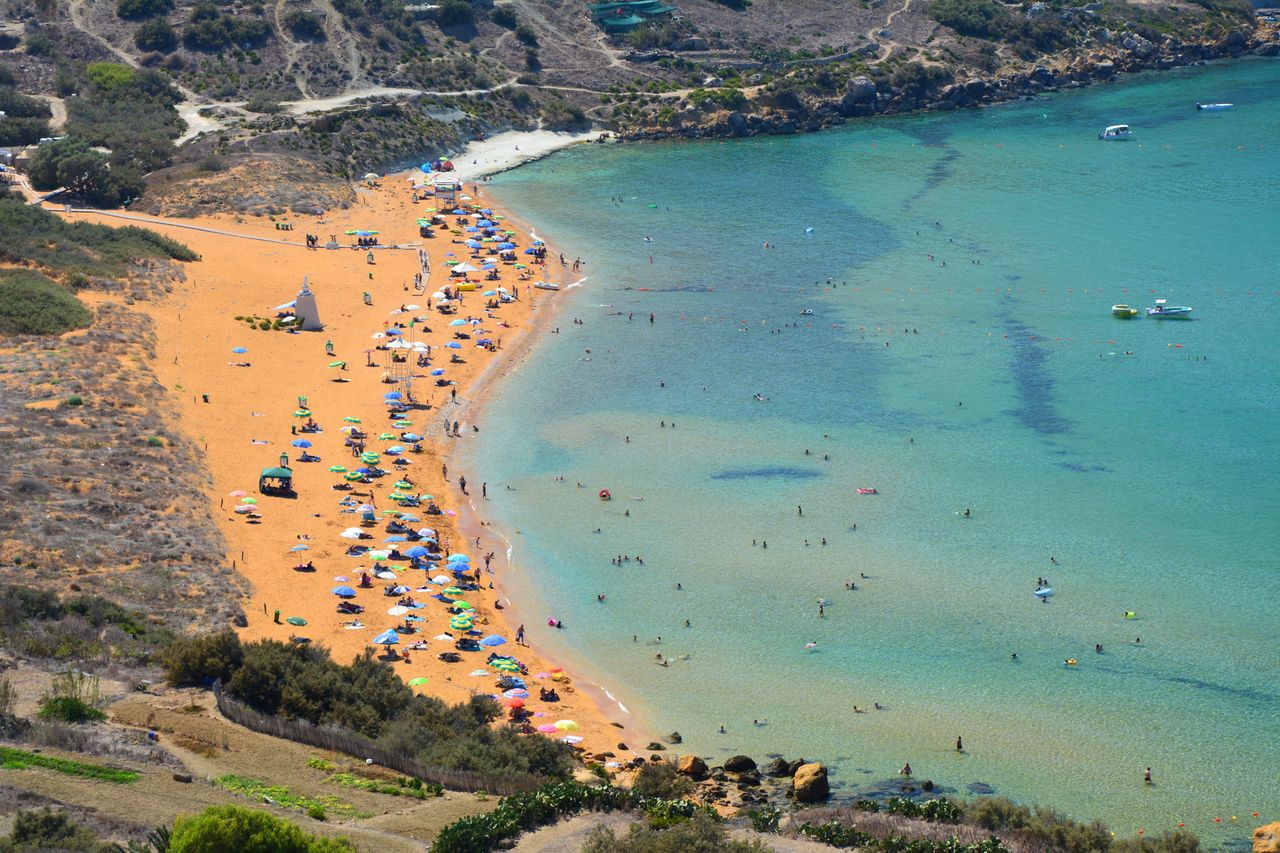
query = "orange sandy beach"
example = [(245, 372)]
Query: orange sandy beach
[(249, 422)]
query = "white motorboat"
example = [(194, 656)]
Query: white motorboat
[(1213, 107), (1116, 132), (547, 285), (1164, 310)]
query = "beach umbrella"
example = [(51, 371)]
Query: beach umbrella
[(464, 605), (398, 610), (302, 413), (493, 640), (346, 429), (296, 620), (490, 292), (243, 509), (516, 693), (394, 450), (416, 552), (453, 590), (547, 728), (566, 726), (505, 665), (385, 575), (342, 578), (459, 558), (353, 476), (458, 322), (301, 442), (453, 345), (351, 420), (439, 371), (529, 252), (343, 592), (461, 623), (522, 266), (238, 493), (337, 469), (442, 579), (399, 589), (402, 484), (507, 245), (415, 682), (377, 555), (248, 501), (396, 538), (411, 436), (351, 532), (239, 350), (300, 547), (387, 638), (513, 702), (338, 364), (386, 436)]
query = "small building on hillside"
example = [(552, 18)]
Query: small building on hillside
[(623, 17)]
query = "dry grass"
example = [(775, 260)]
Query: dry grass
[(87, 502), (882, 825)]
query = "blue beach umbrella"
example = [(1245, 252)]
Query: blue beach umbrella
[(391, 333), (459, 558), (411, 436), (399, 590), (300, 442), (387, 638), (493, 640), (407, 518), (486, 211), (392, 395), (416, 551), (457, 211), (394, 450), (529, 251), (490, 292), (488, 266), (458, 322), (343, 592), (453, 345), (439, 371), (239, 350), (484, 223), (472, 228), (300, 547), (396, 538), (475, 244), (507, 245)]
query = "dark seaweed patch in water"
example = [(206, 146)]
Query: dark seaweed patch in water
[(1081, 468), (1033, 384), (1213, 687), (938, 174), (981, 788), (779, 473), (1013, 278)]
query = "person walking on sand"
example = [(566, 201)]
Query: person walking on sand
[(462, 484), (520, 635), (959, 744), (1146, 777)]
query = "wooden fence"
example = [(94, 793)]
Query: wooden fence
[(338, 739)]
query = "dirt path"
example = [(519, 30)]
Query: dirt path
[(292, 49), (59, 109)]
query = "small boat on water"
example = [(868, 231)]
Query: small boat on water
[(547, 285), (1213, 107), (1124, 312), (808, 312), (1163, 309), (1116, 132)]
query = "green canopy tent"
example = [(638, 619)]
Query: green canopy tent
[(276, 481)]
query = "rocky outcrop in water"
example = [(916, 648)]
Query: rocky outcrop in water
[(1266, 839), (810, 784)]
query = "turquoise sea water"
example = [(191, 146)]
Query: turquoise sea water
[(1141, 455)]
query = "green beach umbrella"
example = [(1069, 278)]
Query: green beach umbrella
[(248, 500), (353, 476), (453, 590), (337, 469), (461, 623), (351, 420), (337, 364), (465, 605), (414, 682), (401, 484), (505, 665), (403, 424), (302, 413), (296, 620), (386, 436), (396, 496)]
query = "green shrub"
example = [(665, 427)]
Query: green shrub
[(73, 697), (661, 780), (835, 833), (525, 34), (454, 13), (504, 16), (49, 830), (305, 25), (189, 661), (155, 34), (918, 80), (31, 304), (700, 833), (134, 10), (765, 819), (316, 811), (222, 828)]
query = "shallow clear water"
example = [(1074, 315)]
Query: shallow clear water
[(1141, 455)]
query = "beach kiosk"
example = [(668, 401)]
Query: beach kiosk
[(276, 481)]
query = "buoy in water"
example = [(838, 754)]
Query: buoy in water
[(604, 495), (1070, 661)]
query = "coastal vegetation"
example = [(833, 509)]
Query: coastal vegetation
[(20, 759), (31, 304), (26, 118), (367, 698)]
